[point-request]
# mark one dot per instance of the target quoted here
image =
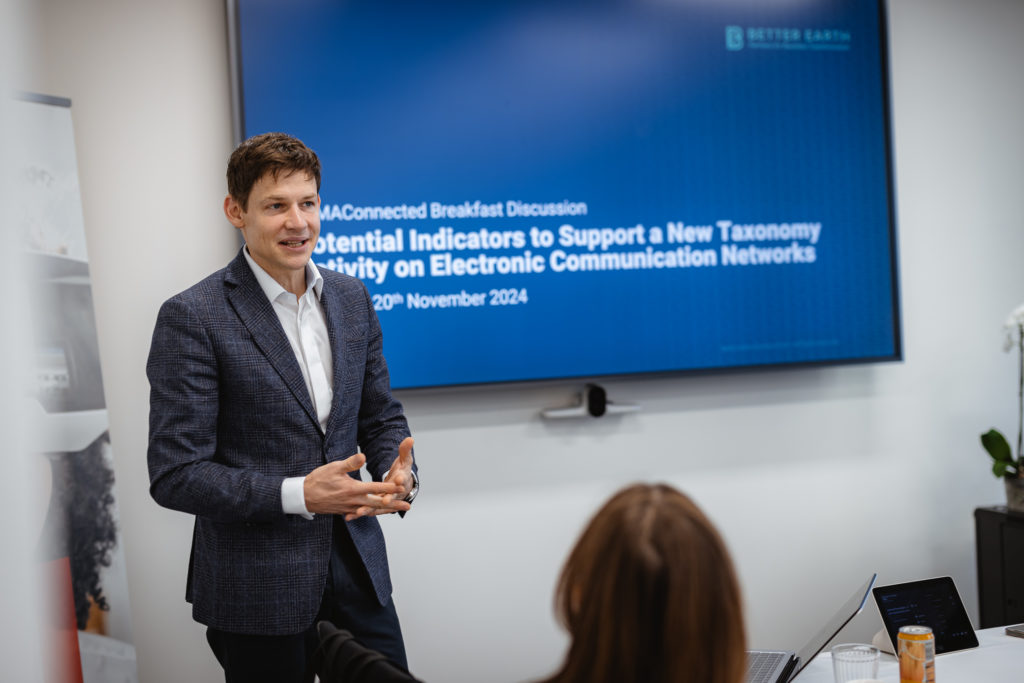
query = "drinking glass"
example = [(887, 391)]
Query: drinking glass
[(853, 662)]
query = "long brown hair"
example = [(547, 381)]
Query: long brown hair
[(649, 594)]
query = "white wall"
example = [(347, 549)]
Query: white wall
[(853, 469), (25, 481)]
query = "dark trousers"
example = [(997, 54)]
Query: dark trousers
[(349, 602)]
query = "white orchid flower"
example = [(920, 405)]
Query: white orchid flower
[(1014, 327)]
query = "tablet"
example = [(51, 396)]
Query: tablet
[(930, 602)]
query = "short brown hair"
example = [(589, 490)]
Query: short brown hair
[(272, 153), (649, 593)]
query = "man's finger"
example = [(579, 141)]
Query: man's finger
[(380, 501), (352, 463), (375, 490), (395, 506), (405, 452), (399, 506)]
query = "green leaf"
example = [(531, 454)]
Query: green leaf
[(999, 468), (996, 445)]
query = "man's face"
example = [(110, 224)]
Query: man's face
[(280, 225)]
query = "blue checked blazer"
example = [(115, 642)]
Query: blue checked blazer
[(230, 418)]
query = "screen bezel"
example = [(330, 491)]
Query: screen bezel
[(897, 352)]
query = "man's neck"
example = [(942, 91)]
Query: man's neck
[(293, 281)]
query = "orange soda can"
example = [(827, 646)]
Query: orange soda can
[(916, 650)]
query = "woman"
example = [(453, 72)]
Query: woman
[(649, 594)]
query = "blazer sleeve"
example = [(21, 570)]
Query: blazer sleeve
[(184, 470), (382, 422)]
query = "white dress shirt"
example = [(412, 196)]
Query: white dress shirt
[(305, 326)]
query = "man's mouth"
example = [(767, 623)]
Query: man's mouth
[(293, 243)]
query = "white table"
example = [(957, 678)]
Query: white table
[(998, 657)]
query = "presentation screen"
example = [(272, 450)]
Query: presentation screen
[(584, 188)]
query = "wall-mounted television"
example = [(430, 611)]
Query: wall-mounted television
[(541, 189)]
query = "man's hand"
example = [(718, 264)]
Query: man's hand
[(330, 490), (401, 469)]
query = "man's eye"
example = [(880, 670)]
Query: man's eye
[(275, 206)]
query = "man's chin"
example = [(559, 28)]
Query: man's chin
[(292, 256)]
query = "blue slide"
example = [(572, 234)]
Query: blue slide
[(582, 188)]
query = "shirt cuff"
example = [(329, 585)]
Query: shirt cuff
[(415, 484), (293, 497)]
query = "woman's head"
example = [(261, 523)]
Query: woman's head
[(649, 594)]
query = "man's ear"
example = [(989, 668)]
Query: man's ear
[(233, 211)]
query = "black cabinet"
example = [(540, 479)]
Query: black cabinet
[(999, 536)]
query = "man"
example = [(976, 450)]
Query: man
[(266, 378)]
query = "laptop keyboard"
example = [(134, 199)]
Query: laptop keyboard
[(761, 666)]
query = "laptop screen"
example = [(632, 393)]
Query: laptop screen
[(848, 611)]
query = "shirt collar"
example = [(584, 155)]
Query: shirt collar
[(273, 289)]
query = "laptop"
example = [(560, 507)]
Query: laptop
[(769, 666)]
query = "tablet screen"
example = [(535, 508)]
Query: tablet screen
[(930, 602)]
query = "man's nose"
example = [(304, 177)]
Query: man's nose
[(294, 217)]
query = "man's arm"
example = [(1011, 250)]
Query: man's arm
[(382, 424), (183, 424), (185, 473)]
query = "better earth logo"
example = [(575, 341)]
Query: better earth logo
[(785, 38), (734, 38)]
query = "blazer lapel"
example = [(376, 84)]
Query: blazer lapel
[(257, 314), (334, 314)]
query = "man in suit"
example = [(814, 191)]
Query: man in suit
[(266, 380)]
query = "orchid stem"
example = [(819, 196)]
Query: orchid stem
[(1020, 401)]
